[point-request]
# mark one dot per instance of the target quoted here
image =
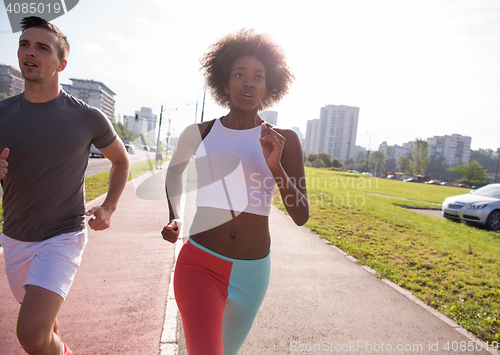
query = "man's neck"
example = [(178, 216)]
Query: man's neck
[(41, 92)]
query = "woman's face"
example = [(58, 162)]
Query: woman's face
[(247, 84)]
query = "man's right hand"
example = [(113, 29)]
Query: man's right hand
[(3, 163)]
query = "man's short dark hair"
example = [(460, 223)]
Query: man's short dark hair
[(34, 21)]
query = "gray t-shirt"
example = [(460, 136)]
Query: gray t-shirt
[(49, 150)]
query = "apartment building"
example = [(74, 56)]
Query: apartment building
[(11, 80), (312, 134), (334, 132), (396, 151), (137, 125), (151, 120), (455, 149), (95, 94)]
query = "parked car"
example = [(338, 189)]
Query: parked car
[(94, 151), (445, 183), (412, 179), (130, 148), (481, 206), (433, 182)]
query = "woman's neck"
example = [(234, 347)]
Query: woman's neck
[(241, 120)]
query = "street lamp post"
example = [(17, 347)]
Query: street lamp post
[(169, 123), (168, 133), (159, 128)]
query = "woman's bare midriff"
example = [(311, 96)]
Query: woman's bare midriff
[(236, 235)]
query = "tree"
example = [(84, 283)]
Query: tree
[(360, 165), (498, 163), (376, 160), (337, 165), (404, 164), (318, 163), (326, 158), (3, 95), (472, 173), (390, 165), (361, 155), (311, 158), (438, 169), (349, 164), (485, 157), (420, 155), (124, 133)]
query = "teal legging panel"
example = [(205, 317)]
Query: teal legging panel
[(218, 298)]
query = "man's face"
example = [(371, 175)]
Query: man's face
[(37, 55)]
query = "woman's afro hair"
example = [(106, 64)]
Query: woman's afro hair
[(218, 62)]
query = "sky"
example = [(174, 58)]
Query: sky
[(415, 68)]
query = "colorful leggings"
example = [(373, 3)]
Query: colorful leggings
[(218, 298)]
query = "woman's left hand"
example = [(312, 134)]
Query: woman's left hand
[(272, 146)]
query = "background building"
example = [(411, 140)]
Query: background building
[(95, 94), (334, 132), (394, 151), (11, 80), (455, 149), (139, 125), (270, 117), (150, 118), (360, 153), (312, 134)]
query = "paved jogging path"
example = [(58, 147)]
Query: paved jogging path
[(117, 302), (319, 300)]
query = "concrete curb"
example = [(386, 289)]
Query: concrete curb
[(169, 342)]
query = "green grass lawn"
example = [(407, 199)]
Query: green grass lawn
[(97, 185), (452, 267)]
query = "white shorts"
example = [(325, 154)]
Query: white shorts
[(50, 264)]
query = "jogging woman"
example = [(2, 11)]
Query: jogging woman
[(222, 271)]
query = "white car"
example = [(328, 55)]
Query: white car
[(94, 151), (481, 206), (130, 148)]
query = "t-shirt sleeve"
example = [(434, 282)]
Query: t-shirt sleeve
[(102, 129)]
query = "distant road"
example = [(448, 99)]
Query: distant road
[(98, 165)]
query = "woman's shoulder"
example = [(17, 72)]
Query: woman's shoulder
[(287, 133), (195, 133), (204, 126)]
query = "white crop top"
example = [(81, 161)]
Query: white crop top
[(232, 172)]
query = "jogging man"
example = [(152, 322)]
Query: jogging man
[(45, 139)]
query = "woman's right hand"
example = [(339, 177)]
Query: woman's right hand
[(172, 230)]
